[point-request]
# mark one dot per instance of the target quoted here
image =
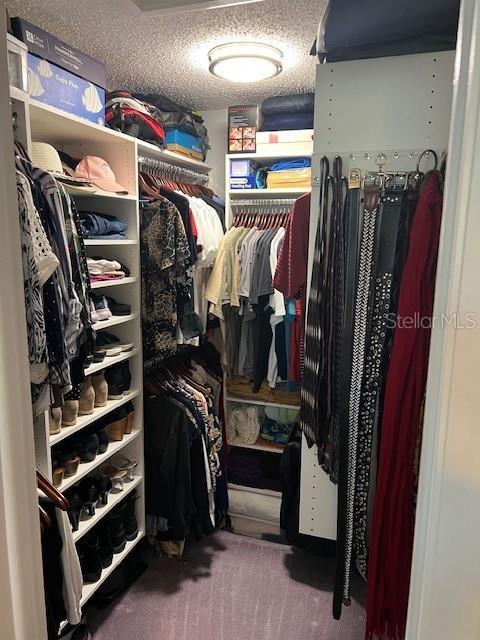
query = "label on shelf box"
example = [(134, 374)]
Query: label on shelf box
[(243, 182)]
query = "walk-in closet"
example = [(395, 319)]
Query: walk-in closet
[(240, 317)]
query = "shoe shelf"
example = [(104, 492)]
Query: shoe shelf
[(112, 283), (84, 468), (109, 361), (84, 421), (109, 243), (277, 405), (259, 446), (114, 321), (89, 589), (102, 510)]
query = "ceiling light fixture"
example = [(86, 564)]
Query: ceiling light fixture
[(245, 61)]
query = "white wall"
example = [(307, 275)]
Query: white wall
[(216, 123)]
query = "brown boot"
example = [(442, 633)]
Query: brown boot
[(101, 389), (69, 413), (55, 422), (87, 398)]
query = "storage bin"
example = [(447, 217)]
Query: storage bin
[(184, 143), (298, 142)]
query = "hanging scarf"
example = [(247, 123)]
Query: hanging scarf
[(394, 512)]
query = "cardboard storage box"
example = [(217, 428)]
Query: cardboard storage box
[(59, 88), (44, 45), (184, 143), (298, 141)]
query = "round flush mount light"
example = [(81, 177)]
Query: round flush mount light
[(245, 61)]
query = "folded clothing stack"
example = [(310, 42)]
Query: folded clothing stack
[(286, 113), (101, 226), (290, 173), (103, 269), (274, 432)]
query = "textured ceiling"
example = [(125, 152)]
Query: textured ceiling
[(168, 54)]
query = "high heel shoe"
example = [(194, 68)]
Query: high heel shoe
[(55, 421), (58, 472), (117, 476), (100, 387), (124, 464), (104, 486), (116, 426), (88, 492), (69, 413), (75, 510)]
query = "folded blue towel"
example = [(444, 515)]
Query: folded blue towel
[(296, 163)]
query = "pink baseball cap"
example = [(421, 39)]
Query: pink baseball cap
[(98, 172)]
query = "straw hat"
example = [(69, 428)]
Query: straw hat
[(46, 157)]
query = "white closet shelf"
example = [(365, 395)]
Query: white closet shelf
[(263, 492), (277, 405), (110, 361), (149, 150), (268, 193), (55, 126), (259, 446), (89, 589), (114, 321), (112, 283), (100, 194), (84, 421), (102, 510), (108, 243), (84, 468)]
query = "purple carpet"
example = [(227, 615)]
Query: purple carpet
[(230, 587)]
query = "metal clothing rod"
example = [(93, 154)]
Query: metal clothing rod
[(263, 203), (161, 169)]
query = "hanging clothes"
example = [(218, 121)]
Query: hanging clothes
[(394, 513)]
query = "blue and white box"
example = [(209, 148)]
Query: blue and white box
[(59, 88), (243, 174)]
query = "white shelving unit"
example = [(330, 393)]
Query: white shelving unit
[(42, 123)]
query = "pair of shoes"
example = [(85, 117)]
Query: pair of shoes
[(120, 422), (93, 393), (97, 547), (118, 380), (84, 497), (64, 463), (120, 469), (112, 345), (118, 308)]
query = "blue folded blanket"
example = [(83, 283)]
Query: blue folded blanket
[(99, 225), (293, 104)]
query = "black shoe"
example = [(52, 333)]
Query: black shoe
[(104, 486), (118, 308), (103, 439), (87, 447), (117, 530), (76, 506), (115, 380), (129, 518), (88, 491), (105, 546), (81, 633), (89, 554)]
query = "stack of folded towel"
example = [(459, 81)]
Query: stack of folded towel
[(101, 269), (100, 226), (290, 173)]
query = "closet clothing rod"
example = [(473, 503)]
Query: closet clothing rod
[(161, 169)]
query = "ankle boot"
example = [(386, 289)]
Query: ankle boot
[(87, 398), (114, 378), (117, 530), (89, 555), (101, 389), (69, 413), (116, 424), (129, 518), (105, 544), (55, 422)]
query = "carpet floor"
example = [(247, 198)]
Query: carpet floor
[(230, 587)]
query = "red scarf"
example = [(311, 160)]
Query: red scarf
[(391, 541)]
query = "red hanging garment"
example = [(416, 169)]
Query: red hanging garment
[(391, 540)]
